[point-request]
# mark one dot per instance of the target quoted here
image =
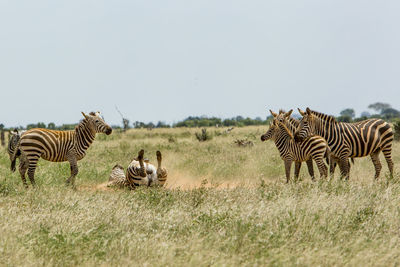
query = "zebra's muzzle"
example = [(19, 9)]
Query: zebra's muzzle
[(108, 131)]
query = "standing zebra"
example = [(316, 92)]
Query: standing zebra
[(139, 172), (350, 140), (314, 147), (58, 146), (292, 124)]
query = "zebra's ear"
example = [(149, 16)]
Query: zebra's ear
[(97, 113), (84, 115), (273, 113), (308, 110), (301, 112), (287, 114)]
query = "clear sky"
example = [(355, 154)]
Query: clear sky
[(166, 60)]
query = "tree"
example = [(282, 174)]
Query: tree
[(390, 113), (348, 112), (379, 106), (51, 126), (365, 114)]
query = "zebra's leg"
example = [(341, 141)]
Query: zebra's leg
[(32, 168), (310, 168), (140, 158), (23, 166), (323, 170), (332, 166), (344, 168), (387, 152), (161, 172), (297, 166), (288, 165), (377, 163), (74, 168)]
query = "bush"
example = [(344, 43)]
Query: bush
[(396, 126), (203, 136)]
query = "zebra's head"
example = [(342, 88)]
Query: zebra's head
[(270, 133), (306, 126), (282, 116), (96, 123)]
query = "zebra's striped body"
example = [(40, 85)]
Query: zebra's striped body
[(350, 140), (314, 147), (58, 146), (140, 172)]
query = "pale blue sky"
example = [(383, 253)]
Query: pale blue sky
[(166, 60)]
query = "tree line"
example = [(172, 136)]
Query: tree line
[(380, 110)]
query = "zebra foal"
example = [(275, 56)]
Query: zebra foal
[(350, 140), (314, 147), (292, 124), (57, 146)]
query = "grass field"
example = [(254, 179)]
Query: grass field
[(223, 205)]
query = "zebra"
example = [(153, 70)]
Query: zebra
[(313, 147), (292, 124), (349, 140), (58, 146), (139, 172), (13, 140)]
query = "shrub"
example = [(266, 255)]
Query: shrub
[(203, 136), (396, 126)]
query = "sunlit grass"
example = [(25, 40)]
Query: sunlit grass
[(224, 205)]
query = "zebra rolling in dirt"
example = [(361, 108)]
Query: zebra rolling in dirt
[(314, 147), (139, 172), (58, 146), (350, 140)]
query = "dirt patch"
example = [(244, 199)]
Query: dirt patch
[(180, 181), (186, 182)]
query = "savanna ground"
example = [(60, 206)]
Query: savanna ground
[(223, 205)]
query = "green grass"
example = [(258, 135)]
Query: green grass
[(224, 205)]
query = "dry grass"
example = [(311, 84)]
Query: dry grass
[(223, 205)]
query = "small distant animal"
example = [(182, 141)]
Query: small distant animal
[(139, 173), (243, 142), (229, 130), (57, 146)]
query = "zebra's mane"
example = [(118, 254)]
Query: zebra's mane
[(294, 121), (286, 129), (323, 116)]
